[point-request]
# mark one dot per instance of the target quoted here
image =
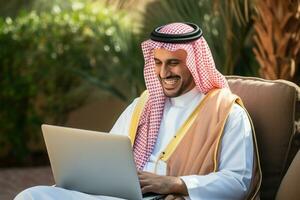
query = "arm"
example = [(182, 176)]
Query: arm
[(233, 179)]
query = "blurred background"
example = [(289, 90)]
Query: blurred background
[(78, 63)]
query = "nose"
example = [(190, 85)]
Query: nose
[(164, 71)]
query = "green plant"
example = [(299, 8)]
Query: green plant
[(11, 8), (49, 59)]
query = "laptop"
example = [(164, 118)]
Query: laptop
[(93, 162)]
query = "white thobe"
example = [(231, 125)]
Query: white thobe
[(232, 181)]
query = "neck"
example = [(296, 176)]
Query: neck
[(183, 99)]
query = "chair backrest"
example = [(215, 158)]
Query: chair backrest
[(274, 108)]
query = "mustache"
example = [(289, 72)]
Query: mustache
[(169, 77)]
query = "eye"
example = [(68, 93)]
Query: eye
[(157, 62), (173, 63)]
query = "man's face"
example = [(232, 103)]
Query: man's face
[(173, 74)]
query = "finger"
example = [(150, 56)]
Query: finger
[(179, 198), (139, 172), (144, 183), (146, 173), (147, 189), (170, 197), (142, 176)]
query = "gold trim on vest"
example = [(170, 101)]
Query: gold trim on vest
[(136, 115)]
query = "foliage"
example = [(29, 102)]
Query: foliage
[(43, 58), (12, 7)]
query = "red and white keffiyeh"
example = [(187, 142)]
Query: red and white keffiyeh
[(202, 67)]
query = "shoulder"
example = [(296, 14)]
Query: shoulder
[(238, 117), (221, 97), (237, 110)]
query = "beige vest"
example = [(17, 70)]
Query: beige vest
[(195, 148)]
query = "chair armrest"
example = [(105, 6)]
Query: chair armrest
[(289, 187)]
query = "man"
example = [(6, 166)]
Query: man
[(192, 138)]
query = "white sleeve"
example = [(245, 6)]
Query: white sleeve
[(121, 126), (232, 181)]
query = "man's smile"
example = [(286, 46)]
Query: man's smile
[(170, 82)]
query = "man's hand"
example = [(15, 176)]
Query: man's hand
[(173, 197), (162, 184)]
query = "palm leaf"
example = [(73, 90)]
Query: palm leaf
[(277, 34)]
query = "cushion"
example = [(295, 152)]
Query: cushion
[(273, 107)]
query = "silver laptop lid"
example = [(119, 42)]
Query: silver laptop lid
[(92, 162)]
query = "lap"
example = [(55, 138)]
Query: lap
[(51, 193)]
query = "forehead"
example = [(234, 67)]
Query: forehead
[(164, 54)]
